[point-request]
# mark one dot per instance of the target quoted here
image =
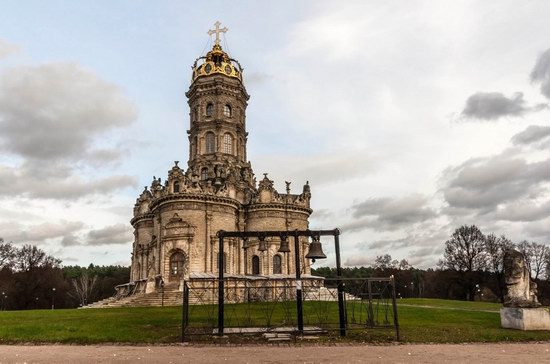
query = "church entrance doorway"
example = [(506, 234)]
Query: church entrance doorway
[(177, 260)]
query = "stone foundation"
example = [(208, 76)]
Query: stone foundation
[(525, 318)]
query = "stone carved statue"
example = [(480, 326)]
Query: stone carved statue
[(520, 291)]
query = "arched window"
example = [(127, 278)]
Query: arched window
[(176, 187), (255, 265), (209, 109), (224, 262), (196, 114), (204, 173), (227, 144), (277, 264), (210, 142), (138, 271), (227, 111)]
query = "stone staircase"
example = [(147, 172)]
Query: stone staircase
[(326, 294), (172, 297)]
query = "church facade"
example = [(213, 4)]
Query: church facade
[(176, 220)]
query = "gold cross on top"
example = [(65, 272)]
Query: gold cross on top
[(217, 31)]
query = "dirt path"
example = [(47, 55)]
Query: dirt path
[(463, 353)]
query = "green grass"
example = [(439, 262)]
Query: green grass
[(449, 321), (451, 304), (421, 321), (121, 325)]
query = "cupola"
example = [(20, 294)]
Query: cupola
[(217, 61)]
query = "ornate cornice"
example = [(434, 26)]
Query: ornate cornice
[(142, 217), (194, 197), (278, 206)]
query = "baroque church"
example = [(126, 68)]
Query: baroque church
[(175, 222)]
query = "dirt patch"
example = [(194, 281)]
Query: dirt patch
[(461, 353)]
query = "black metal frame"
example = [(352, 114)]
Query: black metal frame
[(369, 304), (299, 298)]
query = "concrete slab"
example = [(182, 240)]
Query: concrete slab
[(525, 318)]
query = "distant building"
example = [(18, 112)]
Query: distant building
[(175, 221)]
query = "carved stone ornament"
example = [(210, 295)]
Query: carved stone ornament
[(177, 227), (520, 291)]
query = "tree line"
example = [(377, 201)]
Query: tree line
[(471, 268), (32, 279)]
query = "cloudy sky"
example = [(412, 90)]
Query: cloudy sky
[(409, 118)]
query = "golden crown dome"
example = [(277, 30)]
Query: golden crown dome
[(217, 62)]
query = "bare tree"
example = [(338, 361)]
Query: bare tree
[(385, 262), (539, 254), (404, 265), (465, 250), (535, 257), (7, 254), (30, 256), (465, 253), (495, 248), (525, 248), (83, 287)]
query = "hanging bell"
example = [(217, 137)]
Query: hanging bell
[(315, 250), (284, 248), (246, 245), (263, 245)]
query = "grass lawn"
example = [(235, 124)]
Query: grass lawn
[(421, 321), (446, 321)]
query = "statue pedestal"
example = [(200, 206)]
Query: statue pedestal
[(525, 318)]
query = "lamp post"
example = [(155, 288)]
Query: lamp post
[(2, 304), (53, 298), (36, 303)]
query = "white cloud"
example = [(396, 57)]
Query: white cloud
[(541, 73), (24, 234), (495, 105), (29, 183), (8, 49), (50, 118), (54, 111), (532, 135), (110, 235)]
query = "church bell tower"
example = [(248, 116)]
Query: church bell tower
[(217, 135)]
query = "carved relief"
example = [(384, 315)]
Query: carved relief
[(176, 227)]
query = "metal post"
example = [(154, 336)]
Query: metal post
[(184, 311), (220, 284), (370, 321), (395, 321), (162, 293), (298, 284), (341, 308)]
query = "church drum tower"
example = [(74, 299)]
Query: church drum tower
[(175, 222)]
